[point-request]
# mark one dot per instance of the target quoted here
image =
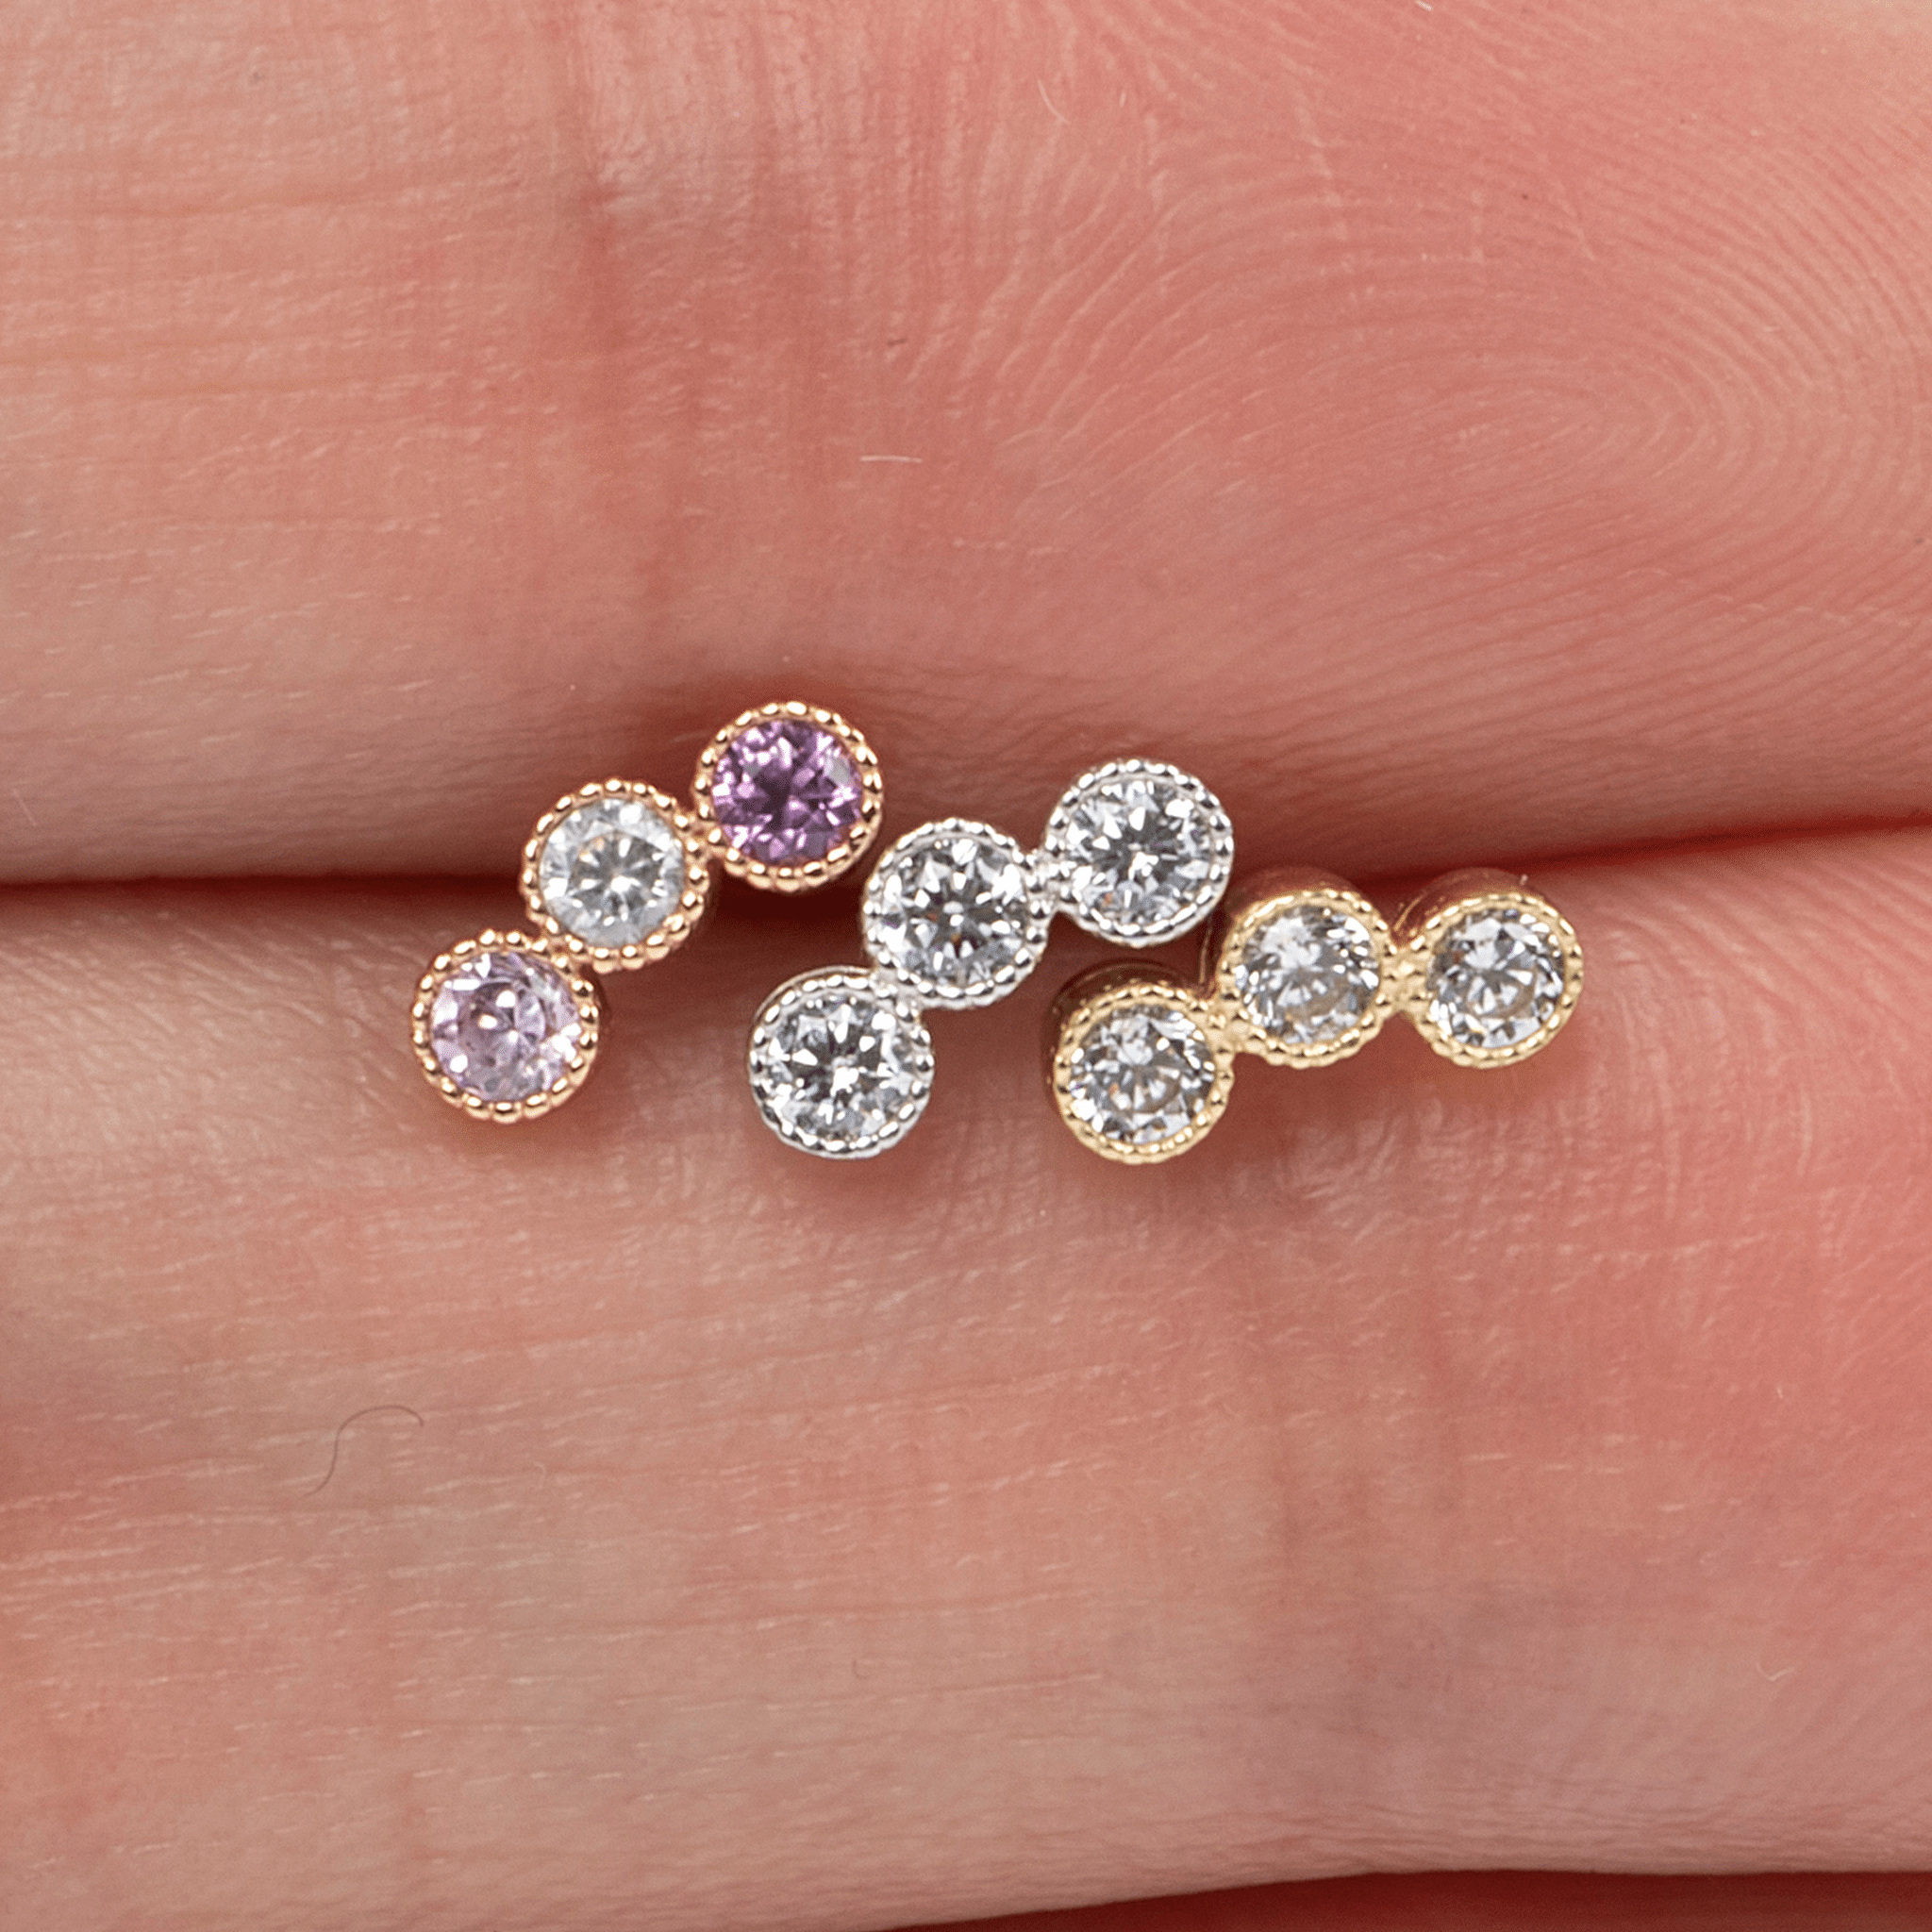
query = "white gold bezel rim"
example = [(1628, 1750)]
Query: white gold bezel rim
[(1138, 932), (1040, 907), (855, 979)]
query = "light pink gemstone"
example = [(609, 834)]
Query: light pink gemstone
[(504, 1026)]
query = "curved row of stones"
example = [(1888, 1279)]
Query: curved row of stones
[(957, 914), (617, 875), (1302, 970)]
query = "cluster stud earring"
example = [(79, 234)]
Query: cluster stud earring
[(1299, 970), (957, 914), (617, 875)]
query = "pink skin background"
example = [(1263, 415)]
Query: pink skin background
[(1462, 434)]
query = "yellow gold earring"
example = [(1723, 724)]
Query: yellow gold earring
[(1301, 970)]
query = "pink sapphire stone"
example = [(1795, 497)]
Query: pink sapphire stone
[(786, 791), (504, 1025)]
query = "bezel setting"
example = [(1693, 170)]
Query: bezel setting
[(1404, 955), (581, 1053), (564, 910), (1012, 895), (768, 1050), (671, 931), (1269, 900), (1423, 928), (883, 922), (1102, 998), (1068, 833), (809, 872)]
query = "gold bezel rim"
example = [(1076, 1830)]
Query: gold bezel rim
[(584, 996), (1085, 1011), (812, 872), (1418, 947), (675, 928), (1248, 1035)]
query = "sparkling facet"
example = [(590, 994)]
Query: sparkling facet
[(1145, 849), (953, 908), (839, 1065), (1141, 1075), (786, 791), (1495, 978), (1310, 975), (611, 870), (504, 1025)]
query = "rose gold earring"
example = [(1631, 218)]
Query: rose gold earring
[(618, 875), (1299, 970)]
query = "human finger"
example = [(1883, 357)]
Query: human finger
[(1455, 435), (622, 1516), (1549, 1901)]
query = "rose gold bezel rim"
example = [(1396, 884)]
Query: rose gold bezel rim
[(676, 927), (583, 994), (1417, 945), (812, 872), (1247, 1035), (1077, 1013)]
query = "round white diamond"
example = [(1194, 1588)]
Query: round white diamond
[(1141, 1075), (840, 1064), (613, 871), (504, 1024), (1495, 978), (1144, 851), (1309, 975), (954, 910)]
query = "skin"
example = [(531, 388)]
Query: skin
[(1483, 1902), (1460, 435)]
